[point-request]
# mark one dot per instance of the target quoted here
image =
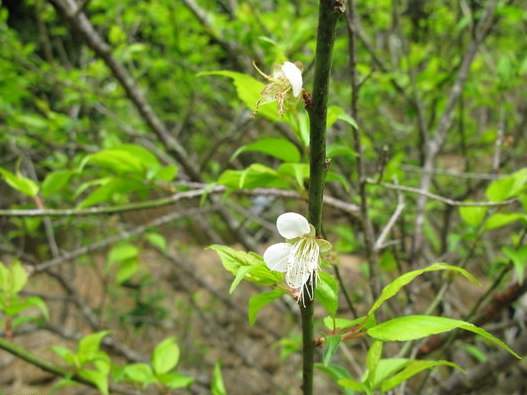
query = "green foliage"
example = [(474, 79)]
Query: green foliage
[(277, 147), (396, 285), (259, 301), (13, 279), (89, 361), (414, 327), (217, 385), (20, 183), (161, 371)]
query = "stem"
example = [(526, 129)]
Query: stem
[(329, 11)]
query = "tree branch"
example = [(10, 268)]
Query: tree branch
[(329, 12)]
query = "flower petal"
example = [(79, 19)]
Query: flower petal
[(276, 256), (292, 225), (294, 76)]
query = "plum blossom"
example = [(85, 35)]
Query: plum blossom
[(299, 256), (285, 83)]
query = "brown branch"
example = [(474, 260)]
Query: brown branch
[(482, 375), (434, 144), (82, 24), (171, 200)]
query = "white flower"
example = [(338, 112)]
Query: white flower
[(299, 257), (285, 83), (294, 75)]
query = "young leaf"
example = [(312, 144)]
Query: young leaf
[(279, 148), (413, 327), (499, 220), (240, 275), (56, 181), (331, 344), (518, 258), (327, 293), (18, 276), (20, 183), (122, 252), (249, 91), (165, 356), (126, 270), (157, 240), (411, 369), (175, 380), (259, 301), (395, 286), (473, 215), (353, 384), (98, 378), (217, 386), (89, 345), (140, 373), (336, 373), (374, 356)]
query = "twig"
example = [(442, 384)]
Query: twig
[(367, 227), (379, 244), (171, 200), (69, 256), (442, 199), (434, 144), (478, 377)]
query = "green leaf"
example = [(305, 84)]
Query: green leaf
[(411, 369), (19, 182), (240, 275), (473, 215), (255, 176), (157, 240), (340, 150), (395, 286), (327, 292), (165, 356), (217, 386), (122, 252), (233, 259), (336, 373), (508, 186), (18, 277), (89, 345), (126, 270), (175, 380), (336, 113), (123, 159), (518, 258), (499, 220), (386, 368), (17, 305), (299, 172), (56, 181), (374, 356), (249, 91), (259, 301), (353, 384), (331, 344), (276, 147), (98, 378), (140, 373), (413, 327)]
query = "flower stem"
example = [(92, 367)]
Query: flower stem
[(329, 11)]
